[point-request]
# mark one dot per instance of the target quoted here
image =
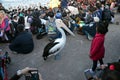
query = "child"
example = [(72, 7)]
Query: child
[(97, 50)]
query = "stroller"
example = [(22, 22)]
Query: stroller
[(4, 61)]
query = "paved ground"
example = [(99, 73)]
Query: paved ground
[(74, 57)]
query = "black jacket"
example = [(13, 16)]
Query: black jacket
[(23, 43)]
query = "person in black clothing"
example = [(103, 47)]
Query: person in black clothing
[(23, 43), (21, 20), (13, 25)]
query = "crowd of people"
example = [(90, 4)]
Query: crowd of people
[(19, 25)]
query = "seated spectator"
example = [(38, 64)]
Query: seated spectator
[(90, 29), (51, 27), (23, 43), (68, 21), (4, 25), (14, 23)]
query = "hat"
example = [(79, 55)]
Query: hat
[(58, 16), (96, 19)]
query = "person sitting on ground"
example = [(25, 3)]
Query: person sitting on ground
[(14, 22), (4, 25), (52, 30), (90, 29), (68, 21), (23, 43)]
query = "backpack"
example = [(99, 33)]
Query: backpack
[(52, 28), (106, 15)]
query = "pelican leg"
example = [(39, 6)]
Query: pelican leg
[(45, 58), (57, 56)]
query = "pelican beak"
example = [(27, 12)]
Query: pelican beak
[(60, 23), (68, 30)]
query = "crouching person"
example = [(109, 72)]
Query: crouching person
[(23, 43)]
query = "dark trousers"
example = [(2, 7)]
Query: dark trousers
[(95, 63)]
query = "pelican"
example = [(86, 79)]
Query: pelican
[(54, 47)]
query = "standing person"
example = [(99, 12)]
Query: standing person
[(23, 43), (97, 50)]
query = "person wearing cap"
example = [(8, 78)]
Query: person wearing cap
[(23, 43)]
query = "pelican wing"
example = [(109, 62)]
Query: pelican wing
[(48, 47), (60, 23), (55, 48)]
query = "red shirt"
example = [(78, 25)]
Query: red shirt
[(97, 50)]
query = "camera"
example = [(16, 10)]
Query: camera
[(33, 75)]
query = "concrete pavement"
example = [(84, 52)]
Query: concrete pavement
[(74, 57)]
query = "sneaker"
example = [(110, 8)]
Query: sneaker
[(92, 72), (89, 74), (86, 70)]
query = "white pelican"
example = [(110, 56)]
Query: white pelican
[(58, 44)]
